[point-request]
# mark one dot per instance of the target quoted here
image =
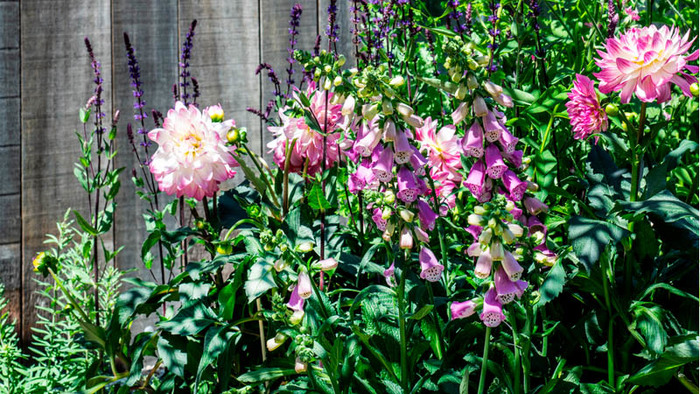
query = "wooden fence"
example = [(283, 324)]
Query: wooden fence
[(45, 77)]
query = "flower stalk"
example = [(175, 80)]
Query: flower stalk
[(484, 361)]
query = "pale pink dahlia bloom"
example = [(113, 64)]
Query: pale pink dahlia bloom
[(192, 156), (645, 61), (586, 114)]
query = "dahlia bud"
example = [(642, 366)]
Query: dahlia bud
[(694, 89), (612, 109)]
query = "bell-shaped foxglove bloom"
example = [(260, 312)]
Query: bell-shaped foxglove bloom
[(300, 366), (369, 138), (402, 148), (378, 219), (492, 312), (474, 250), (505, 288), (514, 185), (545, 256), (536, 226), (486, 191), (483, 265), (431, 270), (507, 141), (328, 264), (405, 238), (383, 168), (390, 276), (275, 342), (495, 167), (460, 310), (304, 284), (361, 178), (421, 235), (515, 158), (479, 107), (296, 304), (492, 128), (408, 185), (460, 113), (475, 179), (418, 162), (426, 215), (473, 141), (475, 231), (535, 206), (511, 267), (497, 251)]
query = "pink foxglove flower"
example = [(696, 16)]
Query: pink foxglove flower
[(515, 158), (535, 206), (645, 62), (508, 141), (585, 113), (390, 276), (368, 138), (505, 288), (633, 13), (495, 167), (431, 270), (514, 185), (475, 179), (383, 168), (473, 141), (408, 185), (462, 309), (296, 304), (536, 226), (479, 107), (483, 265), (402, 148), (492, 312), (304, 284), (406, 239), (492, 128), (426, 215), (511, 267), (361, 178), (192, 157), (460, 113), (378, 219)]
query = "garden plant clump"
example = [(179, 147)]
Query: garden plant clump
[(481, 197)]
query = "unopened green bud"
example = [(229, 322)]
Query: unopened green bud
[(337, 81), (233, 136), (612, 109), (327, 68), (305, 247), (694, 89), (396, 82), (327, 84), (341, 61), (389, 197), (387, 107), (406, 215), (479, 210)]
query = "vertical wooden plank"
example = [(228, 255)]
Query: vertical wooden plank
[(225, 55), (275, 42), (152, 28), (56, 81), (10, 223)]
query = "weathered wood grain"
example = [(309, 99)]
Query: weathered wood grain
[(10, 219), (56, 81), (275, 42), (152, 27), (344, 44), (225, 55)]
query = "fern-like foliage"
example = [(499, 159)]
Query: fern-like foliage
[(10, 353)]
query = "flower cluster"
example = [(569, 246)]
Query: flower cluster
[(193, 156)]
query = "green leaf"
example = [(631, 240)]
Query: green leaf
[(84, 224), (215, 342), (190, 320), (84, 115), (656, 373), (553, 284), (422, 312), (589, 237), (171, 351), (260, 279), (668, 207), (317, 199), (265, 374)]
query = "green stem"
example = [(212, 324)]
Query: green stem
[(484, 361), (516, 351), (436, 320), (636, 154), (441, 238), (606, 292), (402, 326), (70, 297)]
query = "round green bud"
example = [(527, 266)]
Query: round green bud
[(612, 109), (694, 89)]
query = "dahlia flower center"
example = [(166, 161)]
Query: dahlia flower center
[(192, 144)]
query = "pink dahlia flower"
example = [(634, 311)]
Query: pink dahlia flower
[(443, 148), (645, 61), (192, 156), (586, 114)]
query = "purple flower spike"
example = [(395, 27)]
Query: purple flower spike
[(418, 161), (431, 270), (402, 149), (511, 267), (492, 313), (426, 215), (473, 142), (515, 186), (508, 141), (475, 179), (495, 167), (505, 288), (483, 265), (408, 187), (492, 128), (462, 309), (383, 168)]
